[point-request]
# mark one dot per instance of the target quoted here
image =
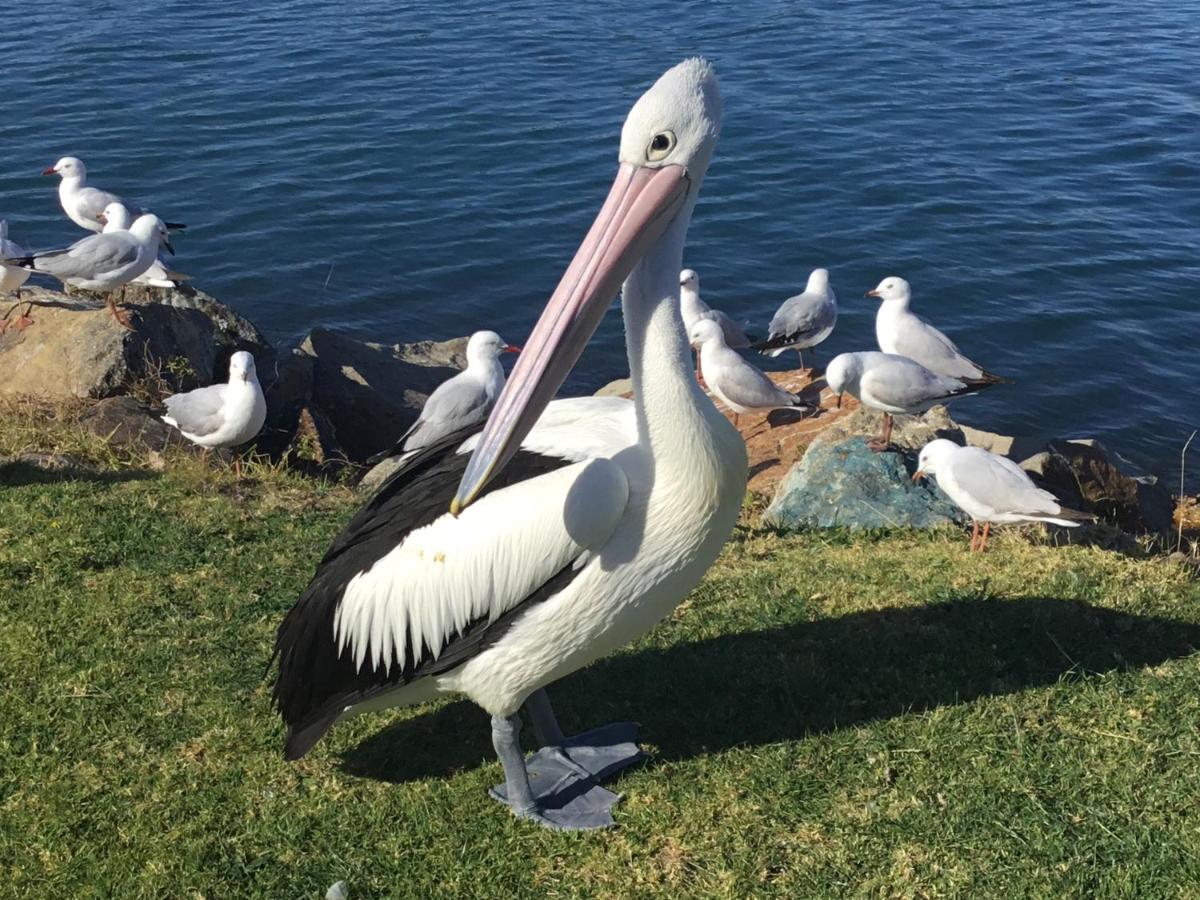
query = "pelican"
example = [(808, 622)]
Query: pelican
[(493, 574)]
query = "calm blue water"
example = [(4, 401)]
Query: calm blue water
[(1032, 168)]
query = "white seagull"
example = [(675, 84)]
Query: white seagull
[(893, 385), (11, 279), (104, 262), (85, 205), (116, 218), (736, 383), (901, 331), (803, 321), (221, 415), (694, 309), (538, 565), (463, 400), (991, 489)]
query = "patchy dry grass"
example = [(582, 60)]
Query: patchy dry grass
[(879, 715)]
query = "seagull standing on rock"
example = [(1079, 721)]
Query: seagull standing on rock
[(116, 218), (221, 415), (735, 382), (991, 488), (893, 385), (803, 321), (464, 400), (85, 205), (104, 262), (11, 279), (901, 331)]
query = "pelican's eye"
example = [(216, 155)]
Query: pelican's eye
[(660, 145)]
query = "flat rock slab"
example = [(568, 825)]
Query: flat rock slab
[(845, 483), (76, 349)]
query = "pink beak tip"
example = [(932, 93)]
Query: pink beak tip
[(49, 170)]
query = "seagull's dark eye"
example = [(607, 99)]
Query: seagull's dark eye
[(660, 145)]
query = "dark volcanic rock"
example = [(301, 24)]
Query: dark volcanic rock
[(126, 423)]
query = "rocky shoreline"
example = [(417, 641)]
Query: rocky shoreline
[(337, 399)]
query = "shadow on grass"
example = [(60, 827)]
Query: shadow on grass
[(22, 472), (784, 683)]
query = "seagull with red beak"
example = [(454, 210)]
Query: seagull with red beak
[(495, 575)]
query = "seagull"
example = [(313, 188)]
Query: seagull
[(116, 218), (803, 321), (11, 279), (221, 415), (899, 330), (104, 262), (736, 383), (493, 574), (84, 205), (893, 385), (463, 400), (694, 309), (991, 489)]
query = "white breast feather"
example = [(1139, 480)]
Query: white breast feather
[(482, 564)]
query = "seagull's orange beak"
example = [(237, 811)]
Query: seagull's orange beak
[(871, 293), (511, 348), (49, 170), (641, 204), (918, 475)]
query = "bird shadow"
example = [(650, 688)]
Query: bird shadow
[(784, 683), (18, 472)]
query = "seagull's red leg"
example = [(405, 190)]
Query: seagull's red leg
[(123, 316), (987, 527), (974, 534), (880, 443), (22, 321)]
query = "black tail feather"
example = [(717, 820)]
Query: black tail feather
[(175, 226)]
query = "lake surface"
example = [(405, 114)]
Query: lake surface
[(422, 170)]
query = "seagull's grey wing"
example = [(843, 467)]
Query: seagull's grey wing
[(800, 316), (197, 412), (90, 202), (1000, 483), (735, 335), (919, 340), (905, 386), (455, 404), (89, 257), (747, 386)]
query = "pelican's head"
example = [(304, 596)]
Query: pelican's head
[(689, 279), (241, 367), (932, 455), (818, 281), (843, 374), (115, 217), (705, 331), (666, 144), (67, 167), (892, 288), (485, 346)]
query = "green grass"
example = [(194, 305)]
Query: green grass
[(829, 715)]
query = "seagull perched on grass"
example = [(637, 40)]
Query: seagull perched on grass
[(221, 415), (84, 205), (991, 488), (901, 331)]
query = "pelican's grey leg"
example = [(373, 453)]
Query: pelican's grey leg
[(545, 790), (597, 754)]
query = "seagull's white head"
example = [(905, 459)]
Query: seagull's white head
[(241, 367), (666, 145), (843, 374), (485, 346), (818, 282), (150, 227), (932, 455), (67, 167), (689, 279), (705, 331), (893, 288), (115, 217)]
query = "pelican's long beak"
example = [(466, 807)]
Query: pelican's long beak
[(918, 475), (642, 203)]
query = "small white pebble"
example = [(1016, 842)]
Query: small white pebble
[(339, 890)]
